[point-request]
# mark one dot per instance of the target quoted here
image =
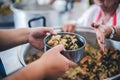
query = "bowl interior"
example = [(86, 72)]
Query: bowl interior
[(81, 40)]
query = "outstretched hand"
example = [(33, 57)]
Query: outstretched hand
[(55, 63), (100, 34)]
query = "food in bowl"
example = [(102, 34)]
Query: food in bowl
[(70, 42), (33, 57), (95, 66)]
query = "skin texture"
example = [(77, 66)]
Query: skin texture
[(100, 34), (51, 64), (69, 27), (108, 7), (36, 37)]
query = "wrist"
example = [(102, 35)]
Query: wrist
[(23, 35), (108, 32), (112, 33)]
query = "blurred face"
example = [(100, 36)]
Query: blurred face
[(106, 3)]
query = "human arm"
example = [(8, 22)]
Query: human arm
[(51, 64), (14, 37)]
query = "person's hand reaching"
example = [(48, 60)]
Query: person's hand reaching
[(37, 36), (100, 34)]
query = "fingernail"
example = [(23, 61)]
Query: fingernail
[(101, 52)]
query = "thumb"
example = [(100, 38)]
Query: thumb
[(59, 48), (50, 30), (92, 24), (101, 51), (72, 64)]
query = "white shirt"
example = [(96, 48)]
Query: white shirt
[(91, 14)]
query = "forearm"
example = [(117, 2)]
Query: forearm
[(117, 34), (34, 71), (13, 37)]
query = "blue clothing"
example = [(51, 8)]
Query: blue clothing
[(2, 71)]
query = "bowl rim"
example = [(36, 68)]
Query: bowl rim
[(21, 52), (83, 40)]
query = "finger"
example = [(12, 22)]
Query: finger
[(101, 51), (59, 48), (49, 30), (100, 39), (101, 46), (67, 28), (72, 64), (52, 31), (92, 24), (64, 28), (95, 25), (71, 28)]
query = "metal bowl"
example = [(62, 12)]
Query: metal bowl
[(74, 55), (26, 51)]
